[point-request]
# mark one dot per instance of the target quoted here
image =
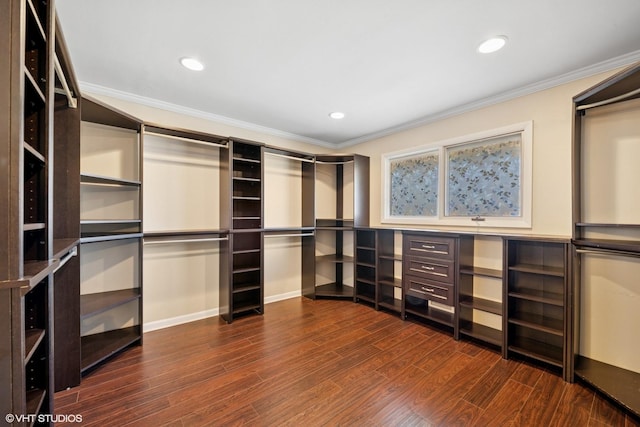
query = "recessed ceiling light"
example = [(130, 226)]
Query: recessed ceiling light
[(192, 64), (493, 44), (336, 115)]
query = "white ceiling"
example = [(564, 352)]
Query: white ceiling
[(281, 66)]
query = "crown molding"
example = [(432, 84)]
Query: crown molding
[(192, 112), (600, 67)]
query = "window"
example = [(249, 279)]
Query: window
[(482, 179)]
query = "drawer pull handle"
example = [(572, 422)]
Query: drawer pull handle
[(428, 289), (427, 267), (428, 246)]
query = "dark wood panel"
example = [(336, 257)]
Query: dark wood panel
[(92, 304), (98, 347), (325, 362)]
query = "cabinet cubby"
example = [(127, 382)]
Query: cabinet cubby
[(480, 294)]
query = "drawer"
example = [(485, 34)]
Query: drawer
[(440, 270), (426, 289), (429, 246)]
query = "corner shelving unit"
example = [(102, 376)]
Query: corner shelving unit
[(342, 194), (111, 232), (606, 238)]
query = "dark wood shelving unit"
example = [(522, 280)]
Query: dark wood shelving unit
[(389, 290), (469, 303), (99, 237), (242, 192), (96, 348), (537, 323), (341, 230), (605, 118), (34, 190), (365, 288)]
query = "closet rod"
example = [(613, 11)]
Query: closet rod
[(609, 101), (300, 159), (73, 102), (334, 163), (209, 239), (183, 139), (290, 235), (608, 252), (73, 252)]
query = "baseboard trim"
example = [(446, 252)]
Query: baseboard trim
[(192, 317)]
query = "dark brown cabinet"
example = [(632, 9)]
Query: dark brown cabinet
[(429, 277)]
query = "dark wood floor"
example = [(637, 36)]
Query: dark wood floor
[(326, 363)]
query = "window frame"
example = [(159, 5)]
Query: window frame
[(525, 129)]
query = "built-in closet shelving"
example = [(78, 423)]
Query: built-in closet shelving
[(39, 233), (479, 295), (342, 194), (390, 294), (111, 232), (66, 218), (241, 284), (606, 238), (366, 266), (537, 279), (293, 185), (378, 279), (184, 240)]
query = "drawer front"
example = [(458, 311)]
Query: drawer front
[(428, 246), (425, 289), (440, 270)]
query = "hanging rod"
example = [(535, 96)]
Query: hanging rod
[(609, 101), (608, 252), (208, 239), (73, 252), (300, 159), (334, 163), (183, 139), (290, 235), (73, 102)]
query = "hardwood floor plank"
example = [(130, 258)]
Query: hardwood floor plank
[(574, 408), (543, 401), (490, 385), (324, 362), (505, 405)]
